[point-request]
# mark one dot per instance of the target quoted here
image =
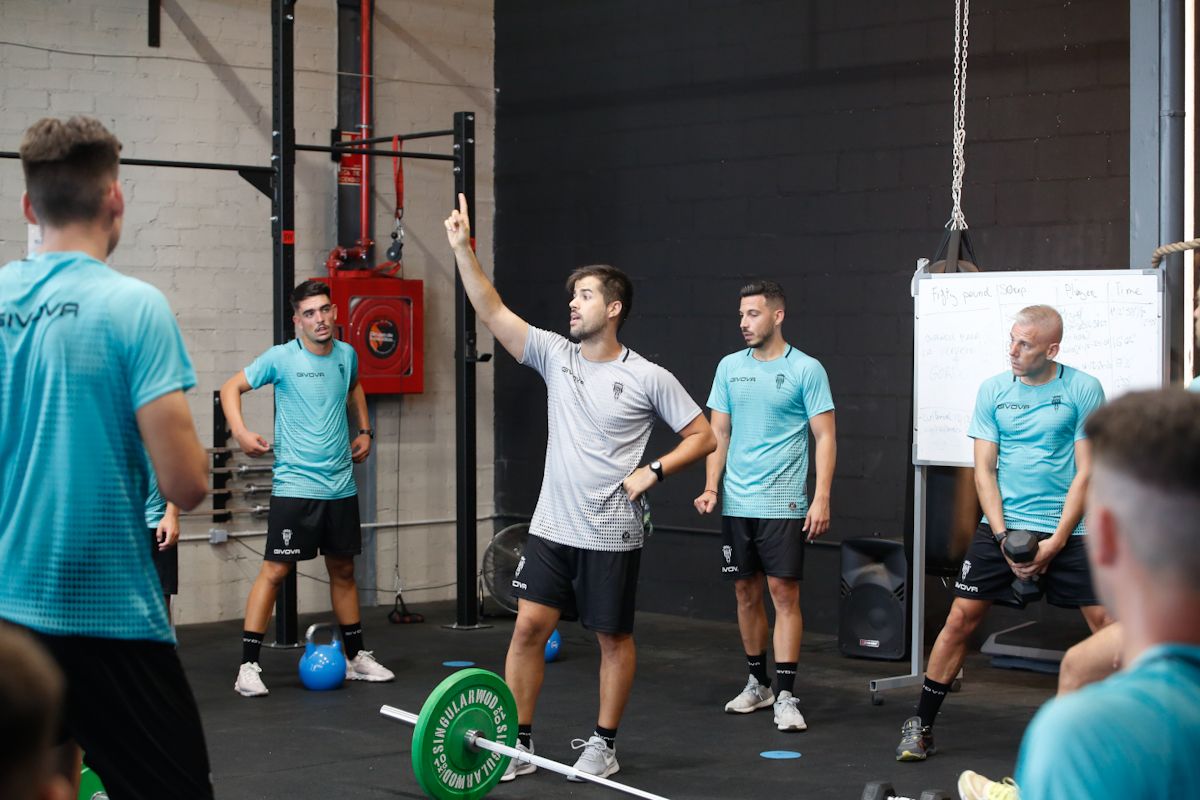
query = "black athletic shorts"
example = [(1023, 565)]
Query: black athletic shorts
[(985, 575), (131, 710), (298, 526), (596, 587), (772, 546), (166, 564)]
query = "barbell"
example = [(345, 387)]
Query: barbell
[(466, 734)]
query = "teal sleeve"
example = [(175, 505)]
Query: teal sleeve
[(157, 360), (1091, 397), (814, 387), (353, 358), (1194, 386), (718, 397), (983, 421), (264, 369)]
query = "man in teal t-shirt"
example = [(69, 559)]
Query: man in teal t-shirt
[(314, 502), (92, 375), (1031, 471), (765, 399)]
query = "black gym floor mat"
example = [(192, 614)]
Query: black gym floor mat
[(675, 739)]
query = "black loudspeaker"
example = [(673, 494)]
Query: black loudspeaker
[(873, 611)]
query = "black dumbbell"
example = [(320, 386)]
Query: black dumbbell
[(1021, 547), (883, 790)]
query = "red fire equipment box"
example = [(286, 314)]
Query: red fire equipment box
[(383, 319)]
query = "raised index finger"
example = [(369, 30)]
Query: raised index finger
[(462, 204)]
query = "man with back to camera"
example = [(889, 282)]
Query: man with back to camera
[(1032, 461), (764, 400), (314, 501), (1132, 735), (92, 378), (581, 560)]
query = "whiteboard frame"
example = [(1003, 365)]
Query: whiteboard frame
[(1164, 351)]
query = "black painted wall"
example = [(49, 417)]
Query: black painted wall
[(695, 144)]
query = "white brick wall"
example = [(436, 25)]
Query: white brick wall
[(203, 237)]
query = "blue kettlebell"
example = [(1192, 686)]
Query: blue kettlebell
[(323, 666), (553, 645)]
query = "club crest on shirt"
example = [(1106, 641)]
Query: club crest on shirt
[(779, 379), (618, 387), (1056, 401)]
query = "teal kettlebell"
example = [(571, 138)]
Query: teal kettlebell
[(323, 666)]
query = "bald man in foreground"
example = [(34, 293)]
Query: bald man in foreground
[(1032, 461)]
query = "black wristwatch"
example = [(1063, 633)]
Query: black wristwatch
[(1000, 537), (656, 468), (368, 431)]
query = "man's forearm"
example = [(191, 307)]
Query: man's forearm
[(692, 447), (480, 291), (988, 489), (231, 405), (826, 461), (714, 464), (1072, 508)]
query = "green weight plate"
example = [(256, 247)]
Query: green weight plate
[(470, 699), (90, 787)]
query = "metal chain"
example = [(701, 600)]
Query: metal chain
[(962, 22)]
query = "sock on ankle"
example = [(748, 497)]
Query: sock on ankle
[(352, 639), (785, 676), (525, 735), (758, 668), (609, 735), (932, 696), (251, 645)]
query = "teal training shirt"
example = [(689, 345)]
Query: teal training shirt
[(312, 436), (1194, 386), (1131, 737), (1036, 428), (770, 404), (82, 348), (156, 504)]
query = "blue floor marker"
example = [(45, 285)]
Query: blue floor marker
[(779, 754), (458, 663)]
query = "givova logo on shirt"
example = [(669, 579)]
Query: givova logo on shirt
[(310, 374), (11, 319), (1012, 406)]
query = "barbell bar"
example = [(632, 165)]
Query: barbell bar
[(463, 716)]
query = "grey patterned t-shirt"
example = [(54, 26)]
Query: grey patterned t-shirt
[(599, 417)]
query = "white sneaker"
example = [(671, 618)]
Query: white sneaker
[(596, 759), (516, 767), (752, 698), (248, 683), (787, 713), (364, 667)]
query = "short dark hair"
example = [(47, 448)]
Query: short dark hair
[(68, 168), (1151, 436), (31, 691), (614, 285), (770, 290), (310, 288)]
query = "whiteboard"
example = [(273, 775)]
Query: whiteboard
[(1112, 330)]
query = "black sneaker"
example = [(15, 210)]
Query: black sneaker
[(916, 741)]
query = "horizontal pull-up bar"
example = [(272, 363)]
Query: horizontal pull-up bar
[(404, 137), (151, 162), (317, 148)]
